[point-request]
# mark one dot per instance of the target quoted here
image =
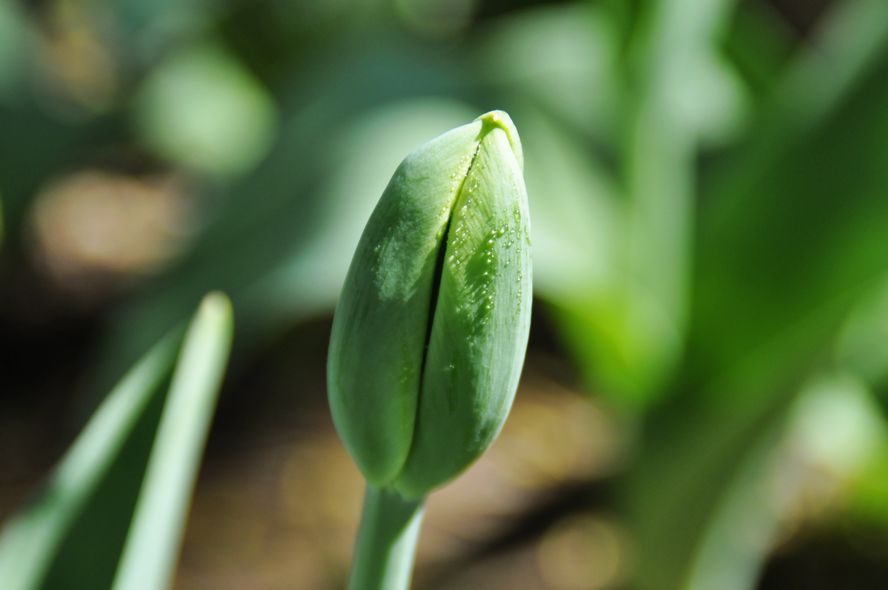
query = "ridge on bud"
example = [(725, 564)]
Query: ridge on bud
[(430, 331)]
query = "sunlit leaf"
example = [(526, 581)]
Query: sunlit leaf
[(780, 266), (120, 493), (159, 521)]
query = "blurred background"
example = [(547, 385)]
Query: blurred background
[(704, 401)]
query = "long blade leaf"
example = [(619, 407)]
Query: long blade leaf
[(156, 532), (119, 495)]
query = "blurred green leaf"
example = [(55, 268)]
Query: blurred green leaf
[(819, 213), (201, 108), (563, 58), (789, 242), (765, 486), (674, 93), (119, 495), (666, 67), (576, 212), (15, 38), (742, 527), (697, 486), (759, 44), (871, 489), (863, 343)]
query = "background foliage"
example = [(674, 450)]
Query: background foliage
[(704, 403)]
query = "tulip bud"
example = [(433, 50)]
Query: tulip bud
[(430, 332)]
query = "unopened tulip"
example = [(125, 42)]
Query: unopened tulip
[(431, 328)]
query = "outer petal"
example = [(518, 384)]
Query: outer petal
[(481, 320), (382, 320)]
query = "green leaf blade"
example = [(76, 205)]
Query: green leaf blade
[(158, 525), (119, 495)]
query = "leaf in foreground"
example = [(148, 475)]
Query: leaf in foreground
[(113, 510)]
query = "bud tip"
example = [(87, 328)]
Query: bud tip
[(502, 120)]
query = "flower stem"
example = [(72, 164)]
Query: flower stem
[(386, 544)]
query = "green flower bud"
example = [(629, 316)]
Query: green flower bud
[(430, 332)]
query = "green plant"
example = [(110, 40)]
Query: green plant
[(706, 179), (429, 335), (113, 512)]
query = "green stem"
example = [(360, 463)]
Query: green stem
[(383, 558)]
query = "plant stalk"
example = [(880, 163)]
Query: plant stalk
[(386, 545)]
